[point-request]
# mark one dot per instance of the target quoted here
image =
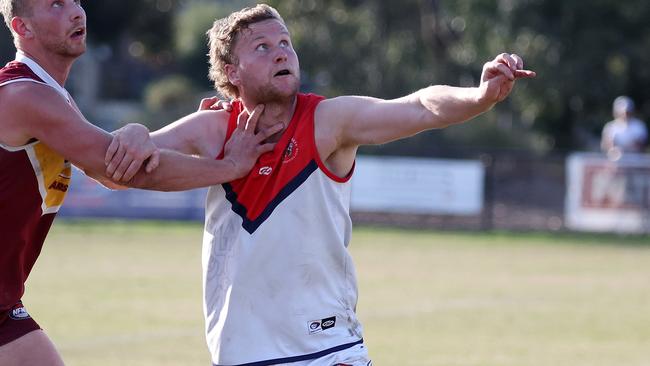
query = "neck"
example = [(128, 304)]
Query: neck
[(57, 66), (274, 113)]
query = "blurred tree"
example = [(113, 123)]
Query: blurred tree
[(168, 99), (134, 42), (388, 49), (585, 54), (147, 21), (190, 40)]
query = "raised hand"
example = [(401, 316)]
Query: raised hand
[(499, 76), (215, 104), (245, 145), (130, 148)]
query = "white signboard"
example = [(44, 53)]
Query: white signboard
[(606, 195), (417, 185)]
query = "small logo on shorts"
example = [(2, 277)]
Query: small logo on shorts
[(317, 326), (19, 313)]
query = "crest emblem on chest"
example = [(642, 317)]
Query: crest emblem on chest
[(290, 152)]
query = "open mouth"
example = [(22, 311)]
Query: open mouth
[(79, 32), (283, 73)]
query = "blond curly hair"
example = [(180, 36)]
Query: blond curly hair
[(223, 37)]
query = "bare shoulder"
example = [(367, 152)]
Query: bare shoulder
[(331, 111), (26, 98), (38, 111), (28, 108), (29, 88), (331, 119), (331, 107), (343, 107), (16, 95)]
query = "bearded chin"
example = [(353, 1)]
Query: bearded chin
[(273, 95), (63, 50)]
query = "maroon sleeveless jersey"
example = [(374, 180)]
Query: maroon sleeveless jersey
[(33, 182)]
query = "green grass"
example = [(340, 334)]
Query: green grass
[(110, 293)]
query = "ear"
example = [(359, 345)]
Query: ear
[(233, 74), (22, 29)]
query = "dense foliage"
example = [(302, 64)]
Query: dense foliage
[(585, 54)]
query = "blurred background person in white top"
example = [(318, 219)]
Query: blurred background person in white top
[(626, 133)]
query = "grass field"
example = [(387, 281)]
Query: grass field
[(110, 293)]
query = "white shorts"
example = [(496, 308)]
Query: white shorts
[(353, 356)]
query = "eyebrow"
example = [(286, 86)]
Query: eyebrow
[(264, 36)]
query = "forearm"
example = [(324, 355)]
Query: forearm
[(434, 107), (443, 105), (363, 120), (178, 172), (371, 121)]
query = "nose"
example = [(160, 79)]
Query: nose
[(280, 55), (78, 13)]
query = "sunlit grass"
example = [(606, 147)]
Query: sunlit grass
[(111, 293)]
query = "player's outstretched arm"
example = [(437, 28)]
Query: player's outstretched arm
[(202, 135), (364, 120), (38, 111)]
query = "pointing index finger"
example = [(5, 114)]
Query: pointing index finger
[(241, 120), (523, 74), (251, 124)]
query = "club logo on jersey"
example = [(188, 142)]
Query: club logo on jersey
[(317, 326), (291, 151), (19, 313), (265, 170)]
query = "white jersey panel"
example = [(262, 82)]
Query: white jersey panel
[(288, 289)]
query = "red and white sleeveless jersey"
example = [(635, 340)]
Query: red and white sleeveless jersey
[(33, 183), (279, 283)]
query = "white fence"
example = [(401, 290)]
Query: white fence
[(416, 185), (379, 184)]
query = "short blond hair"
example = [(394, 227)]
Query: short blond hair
[(15, 8), (223, 37)]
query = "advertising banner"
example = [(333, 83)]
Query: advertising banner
[(608, 196)]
